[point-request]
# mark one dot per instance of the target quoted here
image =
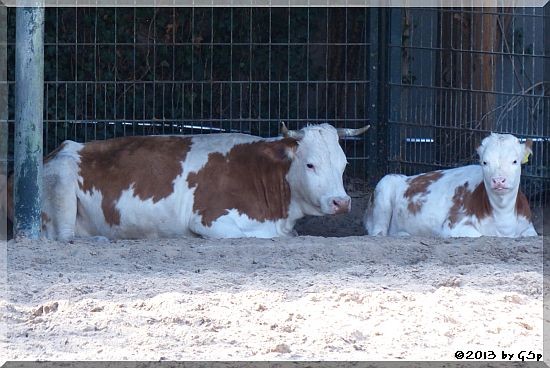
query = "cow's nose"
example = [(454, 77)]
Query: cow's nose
[(498, 180), (341, 204)]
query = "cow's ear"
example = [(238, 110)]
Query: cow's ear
[(290, 153), (289, 147), (527, 150), (282, 150)]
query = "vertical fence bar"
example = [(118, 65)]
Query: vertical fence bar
[(376, 138), (371, 152), (383, 95), (546, 157), (29, 95), (546, 128)]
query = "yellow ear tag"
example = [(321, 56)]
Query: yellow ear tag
[(526, 158)]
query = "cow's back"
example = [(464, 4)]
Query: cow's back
[(137, 187), (423, 203)]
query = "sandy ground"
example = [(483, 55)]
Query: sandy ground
[(345, 298)]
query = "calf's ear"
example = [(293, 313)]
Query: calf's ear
[(527, 150)]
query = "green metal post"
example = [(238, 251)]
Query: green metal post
[(29, 100), (3, 163), (3, 124)]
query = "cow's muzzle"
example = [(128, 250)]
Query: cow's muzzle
[(499, 184), (340, 204)]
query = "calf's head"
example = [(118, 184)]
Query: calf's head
[(318, 163), (501, 156)]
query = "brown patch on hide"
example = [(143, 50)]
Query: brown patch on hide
[(478, 203), (466, 203), (250, 178), (456, 211), (149, 163), (418, 187), (522, 206), (45, 220)]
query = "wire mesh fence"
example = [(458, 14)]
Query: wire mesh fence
[(126, 71), (430, 81), (456, 74)]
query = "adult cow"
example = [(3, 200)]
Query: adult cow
[(216, 185), (469, 201)]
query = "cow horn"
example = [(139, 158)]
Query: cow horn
[(296, 134), (345, 132)]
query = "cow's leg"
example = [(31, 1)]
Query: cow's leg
[(530, 231), (216, 231), (379, 214), (226, 226), (59, 200)]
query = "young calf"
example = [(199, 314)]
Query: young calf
[(468, 201)]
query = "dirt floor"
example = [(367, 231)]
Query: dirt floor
[(347, 298), (339, 295)]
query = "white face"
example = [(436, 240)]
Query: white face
[(315, 175), (500, 156)]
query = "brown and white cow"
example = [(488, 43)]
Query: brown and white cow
[(216, 185), (468, 201)]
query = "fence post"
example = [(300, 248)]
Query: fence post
[(3, 123), (29, 100), (546, 114), (546, 189), (378, 101)]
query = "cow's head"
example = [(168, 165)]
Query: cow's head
[(318, 163), (501, 156)]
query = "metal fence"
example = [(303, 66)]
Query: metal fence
[(431, 82), (456, 74)]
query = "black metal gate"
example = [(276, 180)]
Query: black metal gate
[(431, 82)]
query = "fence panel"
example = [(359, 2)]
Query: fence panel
[(127, 71), (457, 74), (432, 82)]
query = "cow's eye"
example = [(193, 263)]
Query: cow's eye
[(515, 162), (484, 162), (310, 166)]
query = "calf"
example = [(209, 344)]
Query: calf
[(469, 201), (215, 185)]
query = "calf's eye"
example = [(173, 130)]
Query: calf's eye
[(515, 161), (484, 162), (309, 166)]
